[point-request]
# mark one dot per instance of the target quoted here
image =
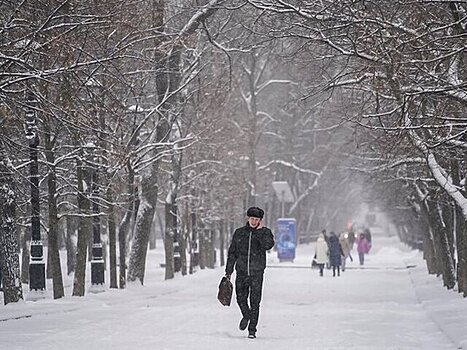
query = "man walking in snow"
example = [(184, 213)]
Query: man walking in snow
[(247, 252)]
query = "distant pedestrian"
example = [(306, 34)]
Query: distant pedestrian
[(321, 253), (326, 238), (247, 253), (362, 248), (346, 248), (335, 254)]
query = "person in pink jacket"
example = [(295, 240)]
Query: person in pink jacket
[(363, 247)]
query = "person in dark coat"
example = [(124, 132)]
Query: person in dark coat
[(247, 252), (335, 254)]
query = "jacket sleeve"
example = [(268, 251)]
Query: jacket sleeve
[(266, 238), (231, 256)]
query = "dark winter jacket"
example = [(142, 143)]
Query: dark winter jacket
[(248, 250), (335, 251)]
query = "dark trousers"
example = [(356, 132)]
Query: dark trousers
[(249, 287), (361, 256), (321, 268)]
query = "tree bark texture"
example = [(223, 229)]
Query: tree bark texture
[(84, 229), (441, 240), (222, 226), (112, 241), (70, 244), (9, 257), (137, 265), (25, 255), (53, 248), (461, 242), (170, 227)]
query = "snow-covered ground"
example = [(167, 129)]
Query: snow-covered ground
[(391, 303)]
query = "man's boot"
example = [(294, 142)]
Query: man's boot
[(243, 324)]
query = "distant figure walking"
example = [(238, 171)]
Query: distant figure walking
[(335, 254), (346, 248), (363, 247), (326, 238), (321, 253)]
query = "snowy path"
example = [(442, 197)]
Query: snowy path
[(379, 307)]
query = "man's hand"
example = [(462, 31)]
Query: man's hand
[(260, 225)]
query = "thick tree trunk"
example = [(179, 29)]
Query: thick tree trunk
[(84, 229), (462, 270), (124, 228), (170, 227), (183, 238), (461, 245), (122, 239), (442, 245), (9, 258), (26, 241), (53, 249), (461, 231), (448, 214), (429, 252), (143, 226), (70, 244)]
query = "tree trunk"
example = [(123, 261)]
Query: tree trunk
[(143, 226), (427, 226), (212, 249), (53, 249), (112, 240), (122, 238), (183, 238), (461, 241), (70, 244), (194, 247), (9, 258), (202, 247), (84, 229), (442, 245), (429, 253), (170, 227), (25, 255), (222, 225), (124, 228)]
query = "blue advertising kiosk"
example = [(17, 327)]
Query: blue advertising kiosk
[(286, 239)]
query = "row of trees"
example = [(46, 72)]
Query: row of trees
[(131, 106), (404, 64)]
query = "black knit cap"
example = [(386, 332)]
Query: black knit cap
[(255, 212)]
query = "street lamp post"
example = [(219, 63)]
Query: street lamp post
[(36, 263), (284, 193)]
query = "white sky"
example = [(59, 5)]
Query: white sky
[(383, 306)]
